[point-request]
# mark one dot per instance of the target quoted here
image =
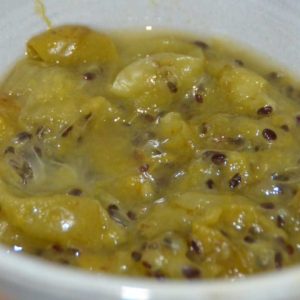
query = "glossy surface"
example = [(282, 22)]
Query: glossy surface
[(159, 155)]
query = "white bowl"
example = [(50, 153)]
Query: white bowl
[(270, 27)]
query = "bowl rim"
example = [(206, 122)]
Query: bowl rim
[(46, 277)]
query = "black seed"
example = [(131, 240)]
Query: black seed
[(57, 248), (9, 149), (73, 251), (285, 127), (146, 265), (199, 96), (201, 44), (23, 136), (131, 215), (249, 239), (149, 118), (224, 233), (191, 272), (116, 215), (75, 192), (88, 116), (112, 208), (204, 128), (89, 76), (136, 256), (210, 184), (266, 110), (144, 168), (298, 120), (67, 131), (287, 247), (194, 247), (38, 151), (235, 181), (278, 260), (273, 76), (172, 87), (269, 134), (280, 177), (267, 205), (218, 158), (239, 62), (280, 221)]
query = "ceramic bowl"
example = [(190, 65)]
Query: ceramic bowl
[(272, 28)]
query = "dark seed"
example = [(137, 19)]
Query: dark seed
[(194, 247), (210, 184), (112, 207), (218, 158), (131, 215), (172, 87), (57, 248), (204, 128), (9, 149), (273, 76), (266, 110), (149, 118), (249, 239), (38, 151), (136, 256), (88, 116), (280, 177), (280, 221), (67, 131), (267, 205), (224, 233), (116, 215), (73, 251), (287, 247), (75, 192), (278, 259), (235, 181), (285, 127), (23, 136), (269, 134), (198, 96), (144, 168), (146, 265), (201, 44), (89, 76), (256, 148), (239, 62), (298, 120), (191, 272)]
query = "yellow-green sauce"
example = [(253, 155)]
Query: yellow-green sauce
[(149, 155)]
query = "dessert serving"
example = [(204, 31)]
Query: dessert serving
[(149, 154)]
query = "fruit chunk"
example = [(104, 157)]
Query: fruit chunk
[(71, 45)]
